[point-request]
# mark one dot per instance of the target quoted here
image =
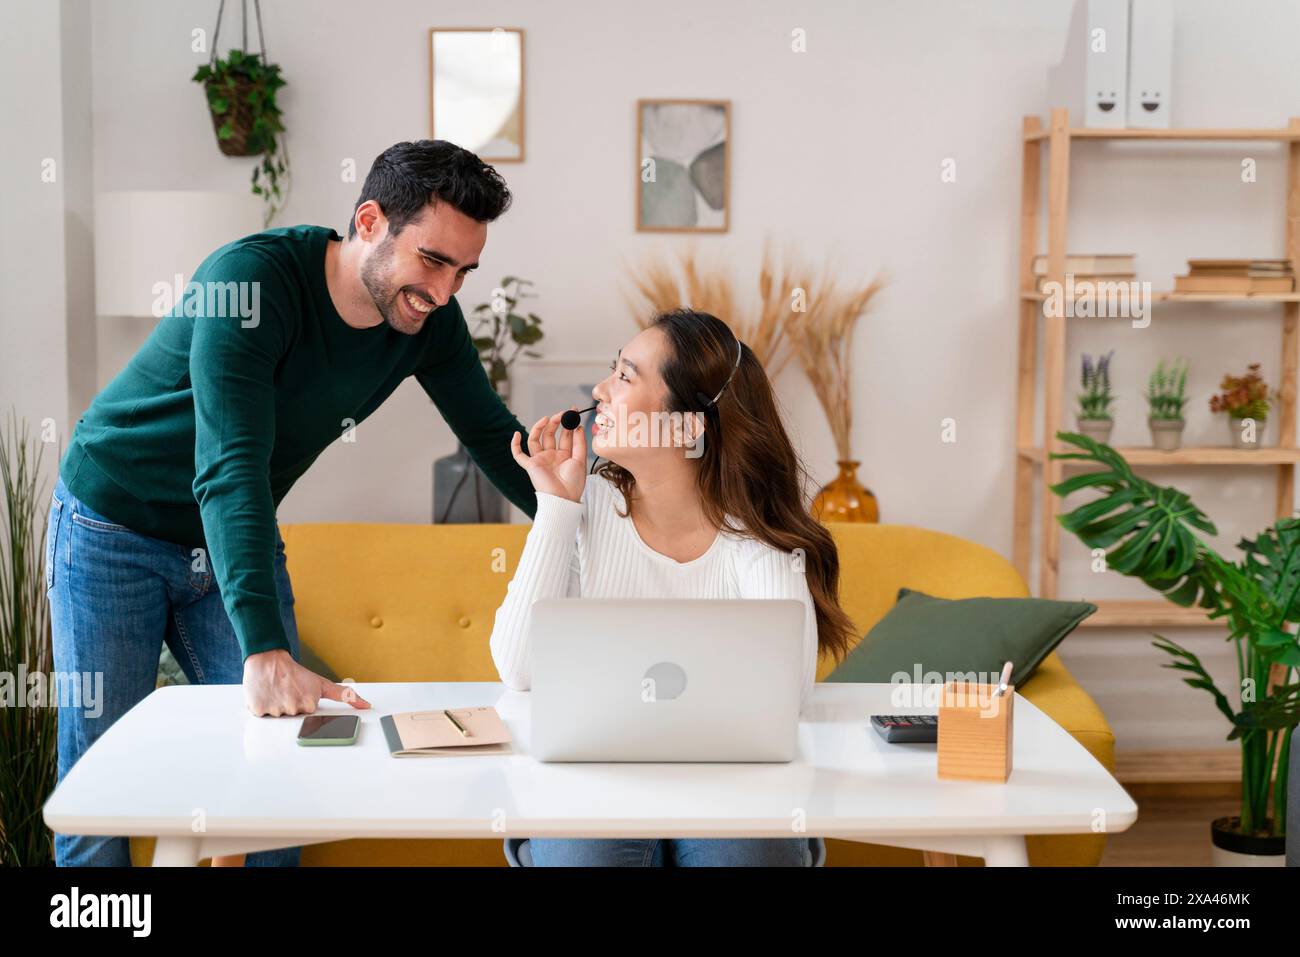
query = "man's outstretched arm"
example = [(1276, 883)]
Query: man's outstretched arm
[(232, 371)]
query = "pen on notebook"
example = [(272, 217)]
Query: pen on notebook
[(459, 727), (1002, 681)]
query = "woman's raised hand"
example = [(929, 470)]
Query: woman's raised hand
[(557, 463)]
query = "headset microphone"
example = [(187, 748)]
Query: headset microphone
[(571, 419)]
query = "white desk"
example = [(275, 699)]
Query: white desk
[(192, 767)]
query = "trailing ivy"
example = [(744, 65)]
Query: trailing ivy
[(241, 92)]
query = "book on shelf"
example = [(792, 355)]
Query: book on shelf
[(1236, 276), (1092, 264), (1233, 285), (1239, 267), (1080, 278)]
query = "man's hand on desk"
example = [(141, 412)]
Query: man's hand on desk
[(276, 685)]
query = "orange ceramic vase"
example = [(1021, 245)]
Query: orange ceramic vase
[(845, 499)]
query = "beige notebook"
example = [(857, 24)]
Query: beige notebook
[(412, 733)]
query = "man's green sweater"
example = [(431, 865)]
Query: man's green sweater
[(237, 391)]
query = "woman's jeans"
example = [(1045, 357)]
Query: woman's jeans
[(677, 852), (115, 597)]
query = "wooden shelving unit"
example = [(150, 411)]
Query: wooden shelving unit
[(1153, 613), (1031, 461), (1192, 455), (1201, 297), (1288, 135)]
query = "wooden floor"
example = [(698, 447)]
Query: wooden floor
[(1173, 825)]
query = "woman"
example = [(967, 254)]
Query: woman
[(701, 497)]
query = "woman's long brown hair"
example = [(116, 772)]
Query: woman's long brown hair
[(748, 468)]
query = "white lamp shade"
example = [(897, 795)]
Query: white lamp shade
[(146, 238)]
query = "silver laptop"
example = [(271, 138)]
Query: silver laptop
[(665, 679)]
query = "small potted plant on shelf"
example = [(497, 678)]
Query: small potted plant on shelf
[(1165, 401), (1245, 399), (1094, 402)]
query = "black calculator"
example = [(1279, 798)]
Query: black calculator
[(907, 728)]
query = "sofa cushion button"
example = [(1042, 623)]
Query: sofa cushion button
[(376, 622), (464, 622)]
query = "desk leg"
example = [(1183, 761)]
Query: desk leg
[(998, 850), (176, 852), (1005, 850)]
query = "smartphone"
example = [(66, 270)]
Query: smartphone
[(324, 729)]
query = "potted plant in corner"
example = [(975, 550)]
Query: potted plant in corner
[(1245, 399), (1165, 401), (28, 760), (1094, 402), (1151, 533), (461, 492), (496, 325)]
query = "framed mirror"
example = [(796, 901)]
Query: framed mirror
[(476, 90)]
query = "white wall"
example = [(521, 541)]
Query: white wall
[(47, 330), (32, 335), (838, 151), (75, 59)]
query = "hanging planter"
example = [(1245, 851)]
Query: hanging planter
[(233, 86), (241, 93)]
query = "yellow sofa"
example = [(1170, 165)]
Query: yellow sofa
[(416, 603)]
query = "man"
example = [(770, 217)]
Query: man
[(162, 526)]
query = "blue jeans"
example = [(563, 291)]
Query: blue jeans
[(676, 852), (115, 597)]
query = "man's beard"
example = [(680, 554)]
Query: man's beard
[(374, 276)]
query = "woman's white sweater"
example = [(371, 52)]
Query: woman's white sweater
[(587, 549)]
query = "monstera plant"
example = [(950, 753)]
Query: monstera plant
[(1154, 533)]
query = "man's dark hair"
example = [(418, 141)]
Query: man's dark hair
[(407, 177)]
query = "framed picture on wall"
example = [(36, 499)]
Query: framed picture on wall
[(476, 90), (683, 165), (545, 386)]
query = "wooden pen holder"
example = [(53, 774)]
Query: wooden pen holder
[(975, 732)]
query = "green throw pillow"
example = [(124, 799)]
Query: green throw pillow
[(923, 635)]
